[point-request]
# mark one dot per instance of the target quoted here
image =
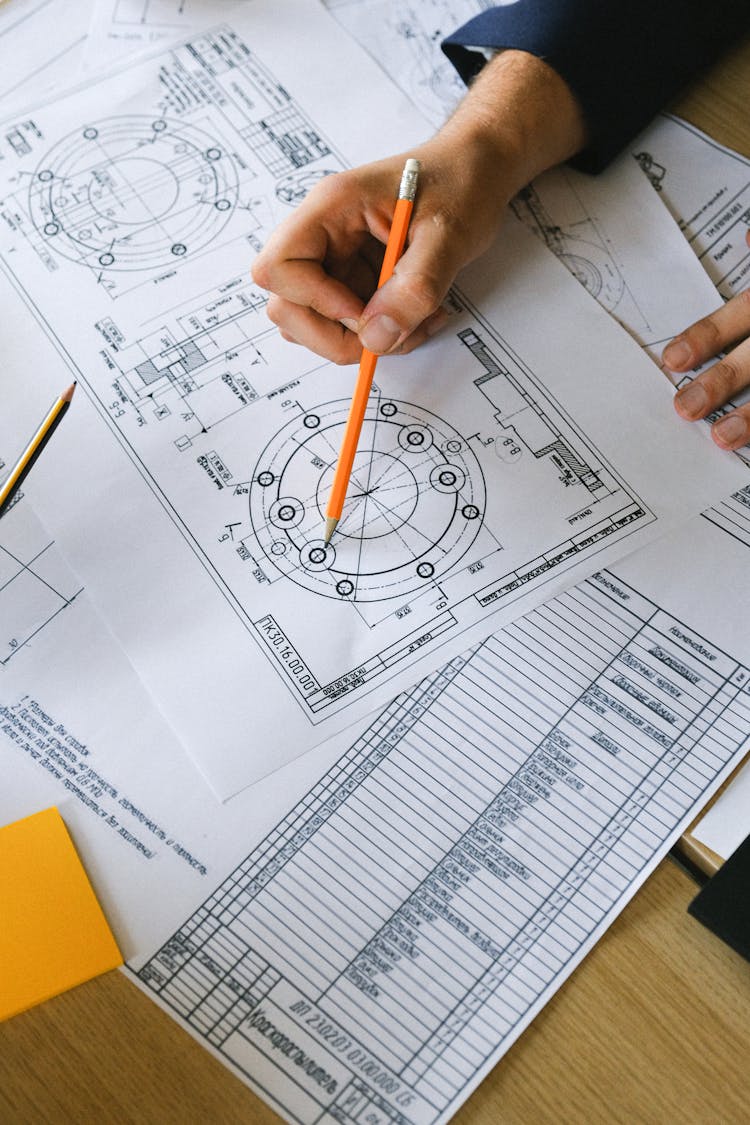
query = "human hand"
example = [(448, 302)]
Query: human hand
[(322, 264), (727, 328)]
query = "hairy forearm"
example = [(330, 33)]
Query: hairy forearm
[(519, 117)]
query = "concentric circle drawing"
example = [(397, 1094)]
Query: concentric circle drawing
[(132, 193), (414, 506)]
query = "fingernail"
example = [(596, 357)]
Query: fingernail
[(677, 354), (731, 430), (692, 400), (380, 334), (349, 322)]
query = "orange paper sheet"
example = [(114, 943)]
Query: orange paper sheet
[(53, 934)]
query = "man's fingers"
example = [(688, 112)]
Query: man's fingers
[(303, 326), (422, 277), (306, 283), (732, 431), (712, 388), (704, 339)]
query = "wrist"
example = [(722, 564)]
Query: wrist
[(518, 118)]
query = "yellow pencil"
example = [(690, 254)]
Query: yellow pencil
[(393, 249), (34, 448)]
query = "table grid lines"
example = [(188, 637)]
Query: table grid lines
[(426, 895)]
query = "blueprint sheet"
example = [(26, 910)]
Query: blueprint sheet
[(78, 730), (121, 28), (602, 228), (370, 929), (707, 189), (41, 47), (493, 469)]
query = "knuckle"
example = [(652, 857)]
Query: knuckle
[(340, 356), (724, 378), (274, 310), (342, 351), (449, 223), (741, 301), (424, 294), (705, 336), (331, 190), (262, 272)]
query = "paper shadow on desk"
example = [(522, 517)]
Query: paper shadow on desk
[(724, 903)]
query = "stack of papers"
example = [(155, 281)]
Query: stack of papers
[(185, 640)]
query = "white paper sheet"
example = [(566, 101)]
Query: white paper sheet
[(707, 188), (207, 444), (120, 29), (78, 730), (619, 241), (41, 47), (727, 822), (603, 228), (607, 230), (388, 942), (463, 854)]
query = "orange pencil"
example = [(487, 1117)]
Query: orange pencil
[(393, 250)]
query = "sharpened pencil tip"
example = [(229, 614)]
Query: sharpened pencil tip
[(330, 528), (66, 396)]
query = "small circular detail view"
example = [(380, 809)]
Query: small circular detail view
[(414, 506), (133, 193)]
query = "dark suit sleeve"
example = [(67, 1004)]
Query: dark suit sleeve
[(623, 59)]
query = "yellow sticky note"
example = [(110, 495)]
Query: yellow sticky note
[(53, 934)]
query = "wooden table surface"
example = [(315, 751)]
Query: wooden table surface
[(654, 1026)]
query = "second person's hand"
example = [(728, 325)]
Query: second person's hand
[(727, 328)]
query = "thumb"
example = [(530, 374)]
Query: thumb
[(420, 281)]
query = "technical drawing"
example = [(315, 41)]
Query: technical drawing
[(655, 171), (406, 40), (590, 262), (421, 538), (294, 187), (35, 583), (433, 80), (524, 425), (415, 502), (133, 193), (155, 13), (192, 372), (284, 140), (229, 436)]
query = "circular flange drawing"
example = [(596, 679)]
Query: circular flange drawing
[(132, 193), (413, 508)]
